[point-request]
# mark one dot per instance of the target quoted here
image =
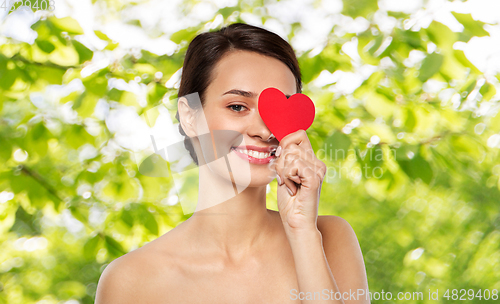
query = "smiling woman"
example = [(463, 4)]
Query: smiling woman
[(207, 49), (233, 249)]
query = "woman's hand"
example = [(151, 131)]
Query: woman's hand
[(299, 170)]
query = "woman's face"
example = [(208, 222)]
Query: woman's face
[(232, 104)]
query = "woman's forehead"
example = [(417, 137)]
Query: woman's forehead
[(252, 72)]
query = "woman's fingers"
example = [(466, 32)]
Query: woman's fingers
[(296, 150), (292, 163), (299, 138), (281, 169), (292, 180)]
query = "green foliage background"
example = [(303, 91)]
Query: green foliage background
[(429, 219)]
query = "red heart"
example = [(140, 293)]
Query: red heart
[(284, 116)]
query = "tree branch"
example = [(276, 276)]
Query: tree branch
[(42, 182), (18, 57)]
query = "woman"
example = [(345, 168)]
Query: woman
[(233, 249)]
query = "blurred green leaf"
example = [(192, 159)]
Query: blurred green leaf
[(441, 35), (91, 247), (70, 289), (37, 142), (184, 34), (417, 167), (148, 219), (154, 166), (79, 212), (370, 159), (83, 52), (336, 146), (127, 218), (45, 46), (67, 24), (102, 36), (5, 150), (460, 56), (96, 84), (228, 10), (114, 248), (25, 224), (115, 94), (411, 120), (85, 104), (51, 75), (9, 73), (156, 93), (430, 66), (330, 59), (76, 136), (363, 8), (475, 28), (488, 91)]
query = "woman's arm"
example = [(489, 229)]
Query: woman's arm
[(330, 257), (345, 258), (315, 279), (300, 176)]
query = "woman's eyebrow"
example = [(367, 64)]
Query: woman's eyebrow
[(241, 93), (244, 93)]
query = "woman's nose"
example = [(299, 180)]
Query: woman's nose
[(259, 129)]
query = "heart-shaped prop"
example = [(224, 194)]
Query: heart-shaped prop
[(284, 116)]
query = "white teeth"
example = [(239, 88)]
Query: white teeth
[(256, 154)]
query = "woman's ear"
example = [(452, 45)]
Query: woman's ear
[(186, 117)]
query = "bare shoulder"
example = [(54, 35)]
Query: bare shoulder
[(339, 237), (343, 252), (136, 276), (335, 227), (116, 281)]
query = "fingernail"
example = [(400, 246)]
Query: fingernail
[(289, 191), (279, 180), (278, 151)]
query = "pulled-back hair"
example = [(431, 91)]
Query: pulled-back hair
[(206, 49)]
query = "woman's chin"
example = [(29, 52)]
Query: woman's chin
[(256, 179)]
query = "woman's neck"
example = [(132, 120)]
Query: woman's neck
[(234, 223)]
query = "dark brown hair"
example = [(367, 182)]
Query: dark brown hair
[(206, 49)]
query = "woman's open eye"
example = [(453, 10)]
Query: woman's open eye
[(238, 107)]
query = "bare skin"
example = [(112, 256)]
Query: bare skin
[(238, 251), (176, 269)]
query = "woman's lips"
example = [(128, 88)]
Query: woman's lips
[(253, 160)]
